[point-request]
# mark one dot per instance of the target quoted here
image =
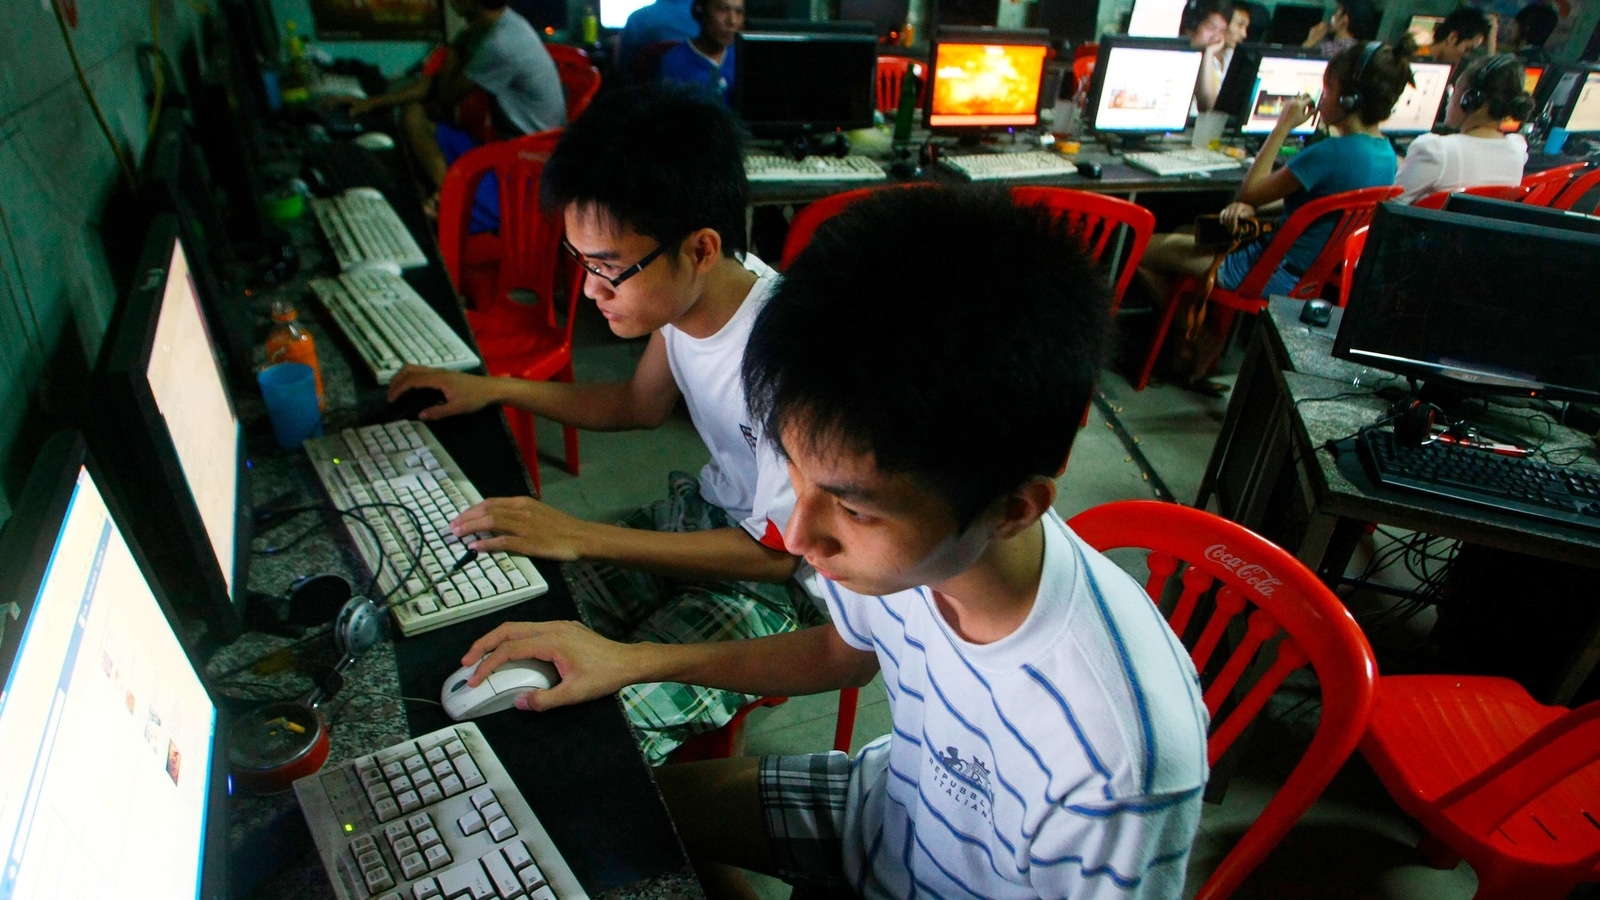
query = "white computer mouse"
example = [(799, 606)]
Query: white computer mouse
[(374, 140), (497, 692)]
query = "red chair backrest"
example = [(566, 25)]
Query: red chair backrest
[(1548, 184), (1576, 189), (1515, 193), (892, 71), (1290, 619), (1353, 209), (530, 241), (1353, 245), (813, 214), (1098, 217), (580, 80)]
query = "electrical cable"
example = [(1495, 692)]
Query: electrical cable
[(351, 513), (158, 68), (88, 93)]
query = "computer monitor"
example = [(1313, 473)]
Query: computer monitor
[(166, 428), (1421, 29), (986, 79), (967, 13), (1577, 109), (1526, 213), (615, 13), (1142, 85), (1156, 18), (1530, 78), (888, 17), (1442, 297), (1418, 106), (1282, 74), (797, 84), (115, 783), (1291, 24)]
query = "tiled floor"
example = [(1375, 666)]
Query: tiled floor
[(1353, 844)]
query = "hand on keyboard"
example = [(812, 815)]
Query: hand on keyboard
[(522, 525), (463, 393), (591, 666)]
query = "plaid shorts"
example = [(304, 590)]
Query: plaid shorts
[(803, 801), (633, 606)]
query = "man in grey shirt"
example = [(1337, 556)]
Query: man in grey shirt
[(498, 52)]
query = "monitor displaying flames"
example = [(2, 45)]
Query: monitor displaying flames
[(986, 84)]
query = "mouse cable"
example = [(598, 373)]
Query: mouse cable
[(94, 105), (352, 513)]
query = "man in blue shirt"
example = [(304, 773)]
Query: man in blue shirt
[(661, 22), (707, 60)]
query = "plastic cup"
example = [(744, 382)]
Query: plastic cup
[(1208, 129), (290, 390)]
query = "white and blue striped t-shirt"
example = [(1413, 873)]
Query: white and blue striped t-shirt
[(1065, 760)]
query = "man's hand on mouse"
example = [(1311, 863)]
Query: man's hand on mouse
[(523, 525), (590, 666), (462, 393)]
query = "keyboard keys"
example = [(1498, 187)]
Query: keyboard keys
[(362, 228), (390, 324), (998, 166)]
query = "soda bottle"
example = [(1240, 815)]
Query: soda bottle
[(289, 342), (591, 27)]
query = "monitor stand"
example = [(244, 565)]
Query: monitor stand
[(834, 143), (1120, 142)]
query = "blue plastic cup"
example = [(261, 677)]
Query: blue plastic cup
[(290, 390)]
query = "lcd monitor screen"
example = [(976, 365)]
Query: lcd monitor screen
[(1144, 88), (614, 13), (1585, 114), (1280, 79), (789, 83), (1156, 18), (986, 85), (1421, 29), (1418, 106)]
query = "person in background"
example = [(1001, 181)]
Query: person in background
[(707, 59), (1462, 32), (1530, 29), (664, 21), (1352, 22), (1487, 92), (1219, 56)]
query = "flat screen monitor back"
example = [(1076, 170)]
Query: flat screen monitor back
[(1291, 24), (973, 13), (887, 16), (166, 431)]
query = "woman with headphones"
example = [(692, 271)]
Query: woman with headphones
[(1486, 93), (1359, 90)]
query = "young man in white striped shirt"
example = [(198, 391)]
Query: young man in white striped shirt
[(1048, 734)]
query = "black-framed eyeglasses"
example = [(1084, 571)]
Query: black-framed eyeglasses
[(622, 276)]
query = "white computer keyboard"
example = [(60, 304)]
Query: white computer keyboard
[(758, 167), (330, 84), (364, 231), (402, 463), (434, 817), (999, 166), (1182, 161), (390, 324)]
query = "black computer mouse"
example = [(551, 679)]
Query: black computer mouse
[(1090, 170), (1316, 313), (414, 401)]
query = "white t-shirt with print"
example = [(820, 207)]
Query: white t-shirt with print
[(1064, 760), (1444, 162)]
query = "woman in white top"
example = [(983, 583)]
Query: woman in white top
[(1487, 93)]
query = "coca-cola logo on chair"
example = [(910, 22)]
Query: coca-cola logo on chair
[(1248, 572)]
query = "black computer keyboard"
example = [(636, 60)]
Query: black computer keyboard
[(1512, 484)]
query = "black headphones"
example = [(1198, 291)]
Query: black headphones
[(1475, 97), (1350, 100)]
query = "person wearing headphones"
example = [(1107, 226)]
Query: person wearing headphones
[(707, 60), (1359, 90), (1487, 92), (1352, 22)]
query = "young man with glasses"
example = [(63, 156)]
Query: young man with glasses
[(651, 185)]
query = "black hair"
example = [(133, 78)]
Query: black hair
[(1466, 22), (1535, 23), (947, 331), (664, 161), (1381, 82), (1501, 86), (1364, 17)]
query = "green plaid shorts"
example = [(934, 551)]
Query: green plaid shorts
[(632, 606)]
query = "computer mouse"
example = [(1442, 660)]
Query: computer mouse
[(1316, 313), (1090, 170), (410, 404), (374, 140), (497, 692)]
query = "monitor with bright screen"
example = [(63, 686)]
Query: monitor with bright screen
[(1585, 114), (1421, 29), (1144, 87), (1278, 80), (1418, 106), (985, 84), (1156, 18), (615, 13), (788, 83), (1411, 312), (109, 734), (1530, 78)]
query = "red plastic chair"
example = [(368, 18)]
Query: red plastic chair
[(646, 65), (1548, 184), (1279, 598), (1353, 209), (497, 272), (1575, 190), (1514, 193), (892, 70), (1099, 217), (580, 80), (1353, 245), (1494, 777)]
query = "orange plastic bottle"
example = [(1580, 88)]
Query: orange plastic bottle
[(288, 342)]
